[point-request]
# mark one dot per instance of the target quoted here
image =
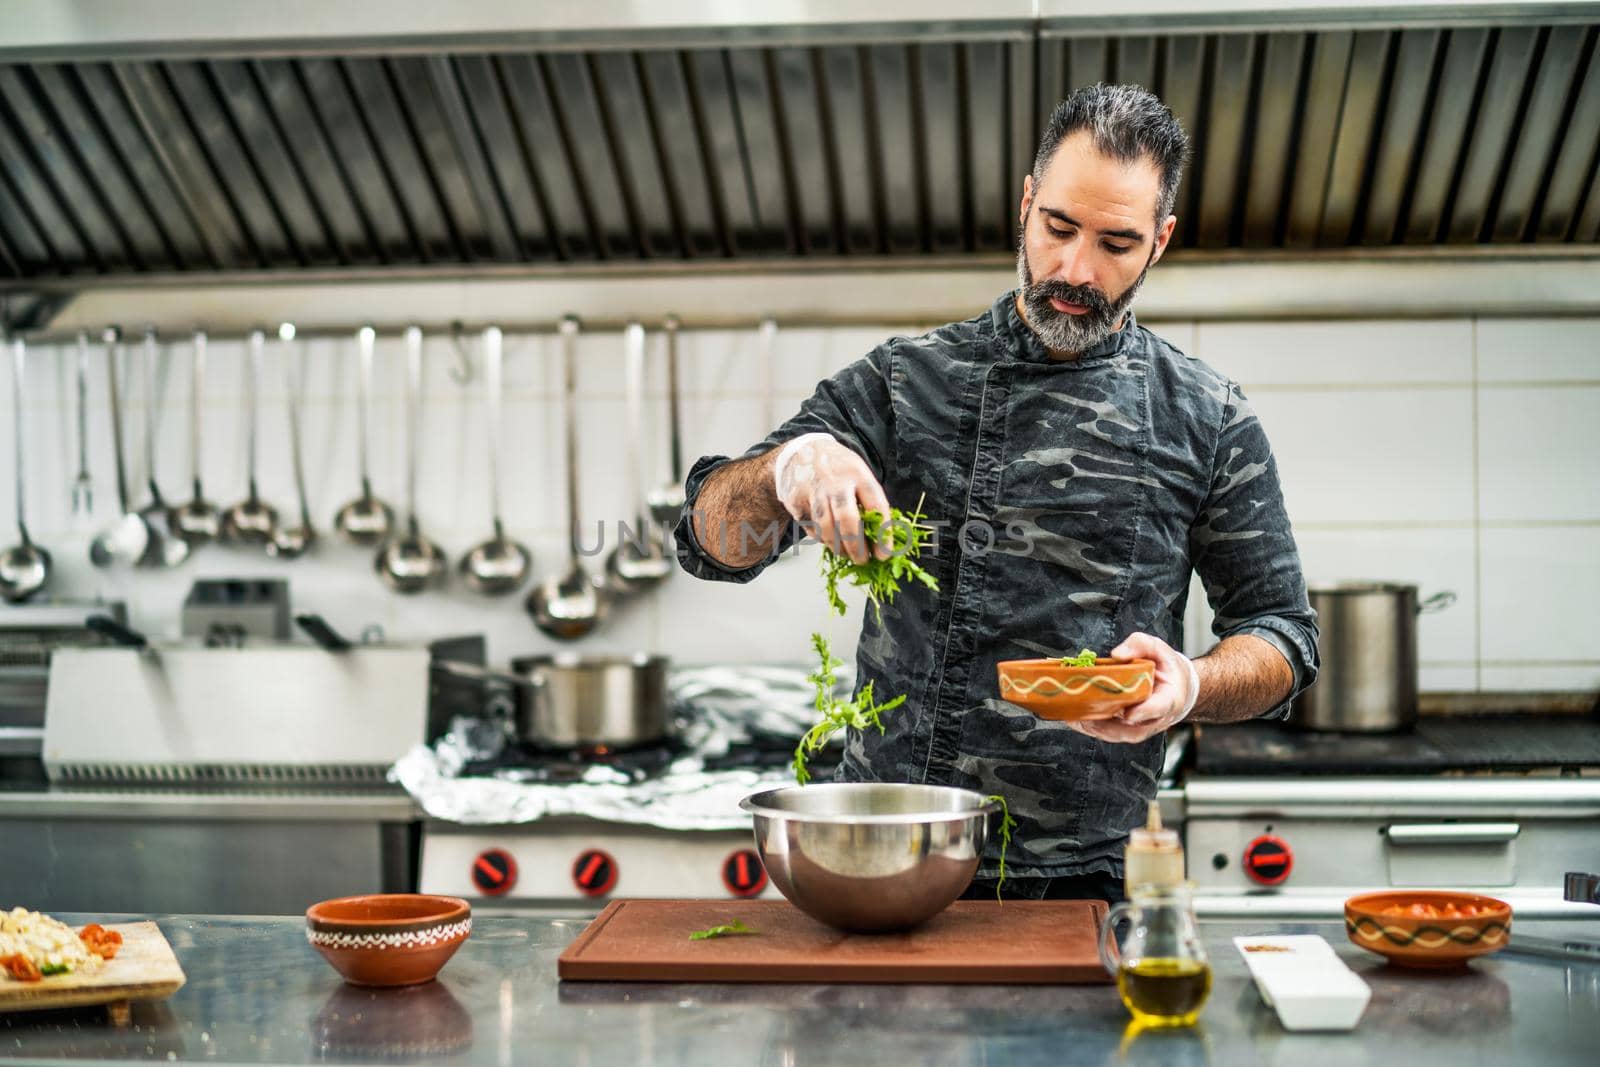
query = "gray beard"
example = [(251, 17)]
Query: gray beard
[(1061, 332)]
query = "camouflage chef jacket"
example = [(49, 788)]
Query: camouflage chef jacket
[(1077, 495)]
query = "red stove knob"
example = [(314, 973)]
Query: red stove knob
[(494, 872), (594, 873), (1268, 860), (743, 874)]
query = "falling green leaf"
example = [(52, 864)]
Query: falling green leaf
[(835, 713), (1007, 824)]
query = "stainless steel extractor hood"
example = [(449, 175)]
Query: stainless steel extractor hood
[(199, 148)]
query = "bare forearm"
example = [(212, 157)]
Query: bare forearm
[(1239, 679), (737, 515)]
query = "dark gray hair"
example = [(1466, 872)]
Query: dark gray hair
[(1127, 123)]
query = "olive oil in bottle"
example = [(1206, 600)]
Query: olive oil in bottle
[(1164, 992)]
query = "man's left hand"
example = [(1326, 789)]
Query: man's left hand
[(1169, 700)]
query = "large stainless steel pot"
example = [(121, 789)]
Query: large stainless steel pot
[(1368, 647), (592, 702)]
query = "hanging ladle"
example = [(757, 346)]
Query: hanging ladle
[(666, 500), (366, 520), (570, 606), (498, 565), (166, 548), (410, 563), (640, 559), (24, 567), (83, 483), (125, 541), (197, 521), (292, 542), (251, 522)]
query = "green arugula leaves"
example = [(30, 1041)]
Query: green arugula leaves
[(725, 930), (905, 535), (1007, 824), (836, 713)]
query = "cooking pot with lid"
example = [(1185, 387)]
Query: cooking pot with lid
[(1368, 649)]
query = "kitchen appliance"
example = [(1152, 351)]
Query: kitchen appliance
[(251, 714), (972, 942), (1368, 648), (566, 861), (592, 702), (29, 635), (575, 856), (1289, 824), (237, 780), (237, 609)]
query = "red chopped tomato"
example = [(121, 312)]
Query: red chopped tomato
[(102, 942), (21, 968)]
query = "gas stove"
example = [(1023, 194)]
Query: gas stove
[(555, 862), (1288, 824)]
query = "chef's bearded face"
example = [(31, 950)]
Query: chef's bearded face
[(1065, 331), (1090, 232)]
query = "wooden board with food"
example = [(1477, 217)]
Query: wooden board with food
[(46, 964)]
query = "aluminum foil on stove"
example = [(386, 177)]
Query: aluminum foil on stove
[(719, 709)]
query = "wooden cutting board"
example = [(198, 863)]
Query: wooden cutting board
[(144, 969), (1049, 942)]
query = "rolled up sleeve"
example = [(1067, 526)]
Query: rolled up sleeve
[(1244, 550), (854, 406)]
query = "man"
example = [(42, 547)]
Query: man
[(1088, 467)]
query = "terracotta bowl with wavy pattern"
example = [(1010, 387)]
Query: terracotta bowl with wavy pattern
[(1072, 694), (388, 939), (1413, 939)]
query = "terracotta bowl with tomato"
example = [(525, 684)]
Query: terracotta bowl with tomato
[(1073, 694), (1427, 928), (388, 939)]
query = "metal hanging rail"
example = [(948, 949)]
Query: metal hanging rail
[(511, 329)]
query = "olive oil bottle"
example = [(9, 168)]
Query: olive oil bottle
[(1158, 959)]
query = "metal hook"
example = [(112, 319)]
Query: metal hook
[(461, 373)]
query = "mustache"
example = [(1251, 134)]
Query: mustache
[(1039, 293)]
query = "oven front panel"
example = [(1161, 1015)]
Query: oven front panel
[(1277, 861), (537, 864)]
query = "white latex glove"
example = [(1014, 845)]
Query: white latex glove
[(824, 486), (1171, 699)]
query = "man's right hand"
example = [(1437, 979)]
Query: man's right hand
[(825, 486)]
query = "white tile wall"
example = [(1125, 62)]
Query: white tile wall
[(1539, 350), (1531, 440), (1456, 454), (1370, 456), (1319, 354), (1541, 586)]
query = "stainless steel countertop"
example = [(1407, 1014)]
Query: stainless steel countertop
[(291, 805), (258, 993)]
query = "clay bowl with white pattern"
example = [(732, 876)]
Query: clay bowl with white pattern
[(1073, 694), (388, 939)]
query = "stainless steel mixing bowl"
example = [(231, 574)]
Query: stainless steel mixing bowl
[(870, 857)]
